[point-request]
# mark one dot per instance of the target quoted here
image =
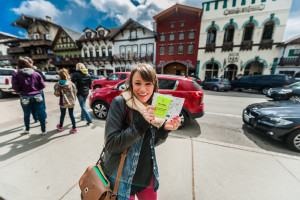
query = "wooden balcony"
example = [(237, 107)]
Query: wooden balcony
[(246, 45), (210, 47), (14, 50), (133, 57), (97, 59), (289, 61), (60, 61), (227, 46), (266, 44), (28, 43), (42, 56), (6, 57)]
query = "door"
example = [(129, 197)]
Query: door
[(111, 80)]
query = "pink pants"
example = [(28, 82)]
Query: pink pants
[(146, 194)]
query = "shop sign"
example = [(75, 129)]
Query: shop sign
[(233, 57), (243, 10)]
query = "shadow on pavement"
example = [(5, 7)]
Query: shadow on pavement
[(266, 143), (193, 130), (19, 145)]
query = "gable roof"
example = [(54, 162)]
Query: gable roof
[(293, 40), (126, 24), (24, 21), (175, 8), (74, 35), (111, 31)]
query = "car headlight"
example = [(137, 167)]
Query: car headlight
[(284, 91), (277, 121)]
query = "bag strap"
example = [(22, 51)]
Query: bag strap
[(120, 169)]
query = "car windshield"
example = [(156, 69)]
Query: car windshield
[(294, 85)]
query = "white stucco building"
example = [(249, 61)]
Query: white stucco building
[(289, 58), (240, 37)]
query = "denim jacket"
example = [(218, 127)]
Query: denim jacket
[(120, 136)]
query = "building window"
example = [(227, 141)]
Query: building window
[(135, 50), (103, 50), (64, 40), (109, 51), (143, 49), (85, 52), (233, 3), (171, 36), (243, 2), (225, 4), (97, 51), (182, 24), (248, 32), (172, 25), (216, 5), (122, 51), (171, 50), (101, 33), (253, 2), (190, 49), (91, 52), (35, 36), (207, 6), (211, 36), (181, 36), (88, 35), (263, 1), (191, 35), (268, 31), (162, 38), (150, 49), (162, 51), (229, 33), (133, 34), (180, 49), (47, 36)]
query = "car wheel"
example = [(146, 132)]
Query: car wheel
[(215, 88), (240, 90), (295, 98), (185, 120), (97, 86), (265, 90), (100, 109), (293, 141)]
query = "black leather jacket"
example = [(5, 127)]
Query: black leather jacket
[(120, 135), (83, 82)]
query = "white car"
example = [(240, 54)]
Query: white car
[(51, 76), (5, 81)]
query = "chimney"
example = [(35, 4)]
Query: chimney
[(48, 19)]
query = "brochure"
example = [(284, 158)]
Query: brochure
[(167, 106)]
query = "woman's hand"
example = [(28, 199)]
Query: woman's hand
[(172, 124), (148, 113)]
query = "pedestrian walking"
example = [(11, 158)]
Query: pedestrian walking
[(131, 125), (83, 82), (29, 84), (34, 113), (66, 91)]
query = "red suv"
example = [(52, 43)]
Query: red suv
[(177, 86), (111, 80)]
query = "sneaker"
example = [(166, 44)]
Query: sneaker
[(89, 123), (44, 133), (82, 119), (74, 131), (59, 128), (25, 132)]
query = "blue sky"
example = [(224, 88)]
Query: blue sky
[(79, 14)]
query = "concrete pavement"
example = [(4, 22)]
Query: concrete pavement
[(49, 167)]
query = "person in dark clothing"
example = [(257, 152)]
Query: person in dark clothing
[(33, 111), (29, 85), (131, 125), (83, 83)]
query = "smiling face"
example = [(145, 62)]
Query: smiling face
[(142, 90)]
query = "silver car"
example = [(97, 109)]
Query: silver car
[(216, 84)]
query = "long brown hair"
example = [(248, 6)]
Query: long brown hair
[(23, 63), (147, 73), (64, 74)]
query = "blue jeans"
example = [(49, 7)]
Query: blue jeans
[(63, 114), (34, 114), (28, 102), (84, 113)]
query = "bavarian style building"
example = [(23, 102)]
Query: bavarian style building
[(240, 37)]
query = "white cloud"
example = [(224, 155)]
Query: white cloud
[(23, 33), (81, 3), (292, 27), (38, 8)]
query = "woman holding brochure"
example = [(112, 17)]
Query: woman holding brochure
[(131, 125)]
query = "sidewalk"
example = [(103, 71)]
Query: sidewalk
[(49, 167)]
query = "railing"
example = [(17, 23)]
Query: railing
[(13, 50), (6, 57), (97, 59), (210, 47), (134, 57), (63, 61), (289, 61), (41, 56), (35, 43), (246, 45), (266, 44), (227, 46)]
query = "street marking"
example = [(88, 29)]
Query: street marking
[(221, 114)]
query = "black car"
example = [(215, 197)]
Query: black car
[(290, 92), (262, 82), (278, 119)]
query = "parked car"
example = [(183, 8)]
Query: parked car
[(111, 80), (290, 92), (279, 120), (196, 79), (216, 84), (177, 86), (5, 81), (51, 76), (262, 82), (95, 77)]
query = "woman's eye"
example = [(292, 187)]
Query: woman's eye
[(137, 83), (148, 83)]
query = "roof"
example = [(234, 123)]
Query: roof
[(176, 7), (295, 39), (72, 34), (24, 21), (126, 24), (110, 32), (9, 35)]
